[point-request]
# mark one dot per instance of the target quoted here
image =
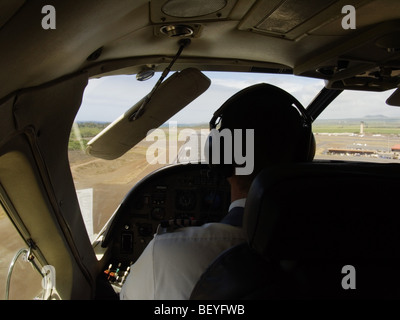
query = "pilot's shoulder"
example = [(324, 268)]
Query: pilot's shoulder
[(208, 231)]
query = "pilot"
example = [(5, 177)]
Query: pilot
[(172, 263)]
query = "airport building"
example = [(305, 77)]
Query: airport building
[(353, 152)]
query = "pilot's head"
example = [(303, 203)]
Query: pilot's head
[(282, 131)]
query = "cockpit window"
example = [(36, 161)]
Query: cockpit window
[(102, 184), (359, 126)]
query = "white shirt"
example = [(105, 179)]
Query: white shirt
[(172, 263), (237, 203)]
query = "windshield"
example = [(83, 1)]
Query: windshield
[(102, 184)]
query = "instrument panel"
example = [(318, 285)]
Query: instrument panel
[(174, 196)]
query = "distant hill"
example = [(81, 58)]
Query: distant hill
[(373, 124), (379, 116), (370, 119)]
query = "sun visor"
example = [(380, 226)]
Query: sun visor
[(172, 95)]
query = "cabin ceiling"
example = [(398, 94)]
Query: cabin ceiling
[(301, 37)]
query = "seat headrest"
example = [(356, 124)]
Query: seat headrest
[(324, 210)]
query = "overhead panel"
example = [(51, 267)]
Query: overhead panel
[(291, 14), (163, 11), (285, 18), (368, 60), (293, 19)]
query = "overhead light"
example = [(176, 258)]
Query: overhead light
[(192, 8), (190, 11), (95, 55), (177, 30), (145, 74)]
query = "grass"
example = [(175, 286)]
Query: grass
[(87, 131), (355, 129), (371, 126)]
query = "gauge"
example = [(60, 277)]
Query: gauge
[(145, 229), (185, 200), (158, 213)]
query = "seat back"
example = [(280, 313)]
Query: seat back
[(315, 230)]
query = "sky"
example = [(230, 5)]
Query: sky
[(107, 98)]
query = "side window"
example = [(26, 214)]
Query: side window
[(359, 126), (25, 282)]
